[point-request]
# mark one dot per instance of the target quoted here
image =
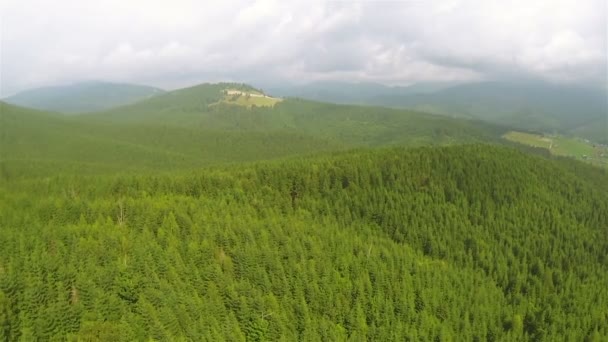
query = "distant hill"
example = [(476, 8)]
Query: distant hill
[(36, 143), (82, 97), (202, 106), (170, 107), (353, 93), (194, 127), (524, 105)]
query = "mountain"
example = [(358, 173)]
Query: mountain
[(353, 93), (192, 128), (35, 143), (532, 106), (82, 97), (473, 242), (218, 212), (207, 107)]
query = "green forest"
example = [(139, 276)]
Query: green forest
[(455, 243), (179, 218)]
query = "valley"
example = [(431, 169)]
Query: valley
[(578, 148)]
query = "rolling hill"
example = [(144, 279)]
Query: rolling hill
[(204, 107), (35, 143), (198, 215), (189, 129), (219, 123), (532, 106), (82, 97)]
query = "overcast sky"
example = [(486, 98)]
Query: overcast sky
[(177, 43)]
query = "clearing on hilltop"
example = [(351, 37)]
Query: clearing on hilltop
[(249, 98)]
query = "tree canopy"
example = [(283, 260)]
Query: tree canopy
[(472, 242)]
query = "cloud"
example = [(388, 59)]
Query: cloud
[(177, 43)]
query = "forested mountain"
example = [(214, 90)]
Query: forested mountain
[(530, 106), (167, 220), (524, 105), (202, 106), (34, 143), (476, 243), (366, 171), (194, 127), (82, 97)]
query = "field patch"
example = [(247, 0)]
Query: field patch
[(248, 98), (563, 146)]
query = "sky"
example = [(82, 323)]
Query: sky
[(177, 43)]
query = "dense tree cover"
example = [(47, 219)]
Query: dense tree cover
[(200, 107), (40, 143), (180, 130), (446, 243)]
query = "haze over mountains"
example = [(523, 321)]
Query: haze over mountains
[(203, 125), (534, 106), (530, 105), (82, 97)]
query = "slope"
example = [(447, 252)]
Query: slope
[(531, 106), (527, 106), (39, 143), (202, 106), (462, 242), (82, 97), (523, 105), (179, 107)]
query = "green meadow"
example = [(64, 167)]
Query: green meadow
[(563, 146)]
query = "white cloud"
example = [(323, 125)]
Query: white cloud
[(565, 48), (174, 43)]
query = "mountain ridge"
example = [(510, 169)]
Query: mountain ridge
[(87, 96), (539, 106)]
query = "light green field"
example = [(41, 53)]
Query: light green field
[(535, 140), (563, 146), (249, 99)]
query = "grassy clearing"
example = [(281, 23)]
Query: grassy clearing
[(563, 146), (249, 99), (530, 139)]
